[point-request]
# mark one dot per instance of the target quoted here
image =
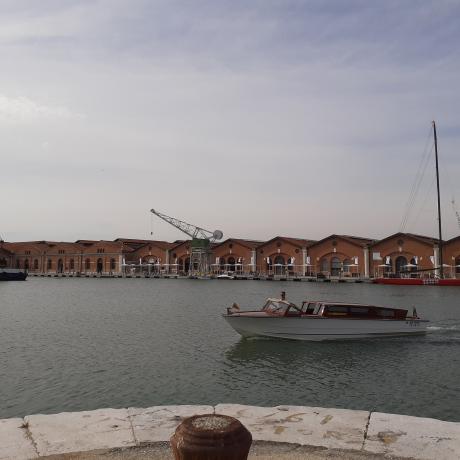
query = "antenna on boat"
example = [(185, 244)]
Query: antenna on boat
[(439, 201)]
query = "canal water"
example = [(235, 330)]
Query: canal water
[(81, 344)]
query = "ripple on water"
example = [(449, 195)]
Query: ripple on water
[(82, 344)]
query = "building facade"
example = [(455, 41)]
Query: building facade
[(336, 256)]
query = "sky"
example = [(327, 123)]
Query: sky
[(259, 118)]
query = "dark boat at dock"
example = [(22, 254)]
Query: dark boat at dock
[(12, 274)]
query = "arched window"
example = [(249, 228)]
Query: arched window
[(35, 264), (60, 266), (324, 265), (49, 264), (99, 265), (336, 266), (72, 264), (3, 262), (222, 263), (279, 260), (279, 265), (87, 264), (113, 264), (180, 264), (231, 264), (26, 264), (400, 264)]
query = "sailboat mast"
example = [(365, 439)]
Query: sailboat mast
[(439, 201)]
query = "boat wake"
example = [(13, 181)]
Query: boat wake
[(447, 325)]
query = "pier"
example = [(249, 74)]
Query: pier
[(288, 432)]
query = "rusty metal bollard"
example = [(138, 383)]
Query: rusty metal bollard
[(211, 437)]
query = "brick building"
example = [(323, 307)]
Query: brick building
[(235, 255), (333, 256), (283, 256), (340, 255), (6, 256), (403, 252)]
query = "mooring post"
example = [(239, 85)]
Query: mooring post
[(211, 437)]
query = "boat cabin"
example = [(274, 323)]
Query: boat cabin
[(339, 309), (277, 307)]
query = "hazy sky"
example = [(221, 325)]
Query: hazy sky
[(261, 118)]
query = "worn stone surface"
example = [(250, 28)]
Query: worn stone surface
[(259, 451), (158, 423), (81, 431), (15, 442), (416, 437), (315, 426)]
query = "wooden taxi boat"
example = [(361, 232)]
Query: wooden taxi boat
[(319, 320)]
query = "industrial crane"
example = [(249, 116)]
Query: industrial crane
[(200, 253)]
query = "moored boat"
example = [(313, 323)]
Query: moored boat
[(320, 320), (12, 274)]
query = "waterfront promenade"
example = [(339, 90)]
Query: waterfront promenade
[(278, 432)]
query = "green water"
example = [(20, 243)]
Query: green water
[(80, 344)]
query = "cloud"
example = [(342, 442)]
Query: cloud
[(23, 109), (300, 117)]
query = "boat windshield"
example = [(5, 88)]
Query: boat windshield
[(278, 307)]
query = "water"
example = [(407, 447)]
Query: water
[(81, 344)]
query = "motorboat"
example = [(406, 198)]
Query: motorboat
[(224, 276), (12, 274), (320, 320)]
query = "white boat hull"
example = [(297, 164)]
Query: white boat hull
[(320, 328)]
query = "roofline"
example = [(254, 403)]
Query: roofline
[(420, 238), (346, 238)]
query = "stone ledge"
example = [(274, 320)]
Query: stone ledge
[(414, 437), (376, 434), (314, 426), (80, 431), (15, 441)]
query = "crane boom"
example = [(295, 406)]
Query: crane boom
[(189, 229)]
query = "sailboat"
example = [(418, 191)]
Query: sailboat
[(439, 278)]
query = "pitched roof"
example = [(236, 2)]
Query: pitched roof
[(4, 251), (300, 242), (356, 240), (160, 244), (455, 238), (251, 244), (429, 240)]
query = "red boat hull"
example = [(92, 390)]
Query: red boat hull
[(417, 281)]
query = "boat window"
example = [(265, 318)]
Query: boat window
[(337, 309), (355, 311), (317, 309), (386, 313)]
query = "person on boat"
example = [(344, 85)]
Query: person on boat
[(233, 309), (283, 295)]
